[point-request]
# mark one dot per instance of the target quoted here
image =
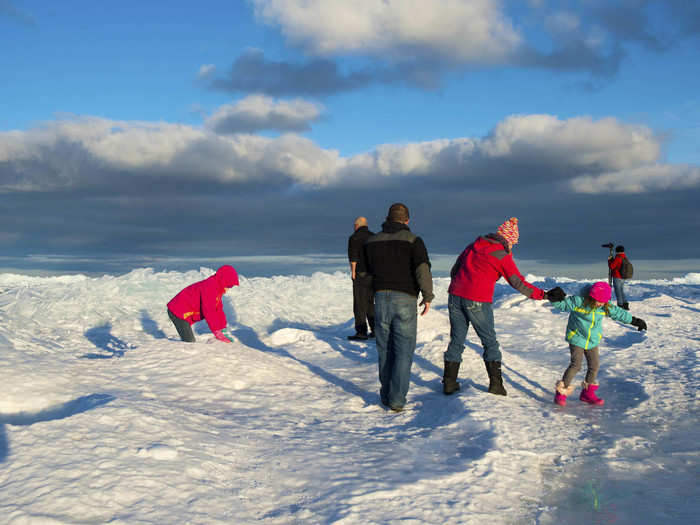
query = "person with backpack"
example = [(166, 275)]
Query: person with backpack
[(621, 269), (583, 333), (203, 300)]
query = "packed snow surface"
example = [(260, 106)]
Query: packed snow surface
[(106, 417)]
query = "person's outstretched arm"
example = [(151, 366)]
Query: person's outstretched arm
[(511, 273)]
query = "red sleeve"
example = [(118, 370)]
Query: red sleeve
[(615, 263), (213, 308), (511, 274)]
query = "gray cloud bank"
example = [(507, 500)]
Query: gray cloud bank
[(416, 43), (253, 73), (91, 185)]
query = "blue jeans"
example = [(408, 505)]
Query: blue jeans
[(619, 285), (480, 315), (395, 323)]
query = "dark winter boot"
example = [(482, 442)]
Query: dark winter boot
[(495, 381), (449, 378), (626, 306)]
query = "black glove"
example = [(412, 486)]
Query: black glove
[(639, 323), (555, 295)]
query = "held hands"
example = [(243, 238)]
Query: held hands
[(221, 337), (555, 295), (639, 323)]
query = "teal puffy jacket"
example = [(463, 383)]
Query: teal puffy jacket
[(584, 328)]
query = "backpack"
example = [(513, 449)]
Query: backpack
[(626, 269)]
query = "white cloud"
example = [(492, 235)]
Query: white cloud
[(415, 159), (644, 179), (72, 152), (206, 71), (257, 112), (588, 156), (580, 141), (463, 31)]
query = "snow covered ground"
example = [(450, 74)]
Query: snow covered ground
[(105, 416)]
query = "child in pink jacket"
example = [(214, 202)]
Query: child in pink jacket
[(202, 300)]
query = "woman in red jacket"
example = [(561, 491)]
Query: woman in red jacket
[(202, 300), (474, 277)]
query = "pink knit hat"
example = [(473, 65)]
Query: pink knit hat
[(509, 231), (600, 292)]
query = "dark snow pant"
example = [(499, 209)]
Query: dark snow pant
[(592, 361), (363, 304), (184, 329)]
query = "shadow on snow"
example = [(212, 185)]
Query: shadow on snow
[(150, 327), (101, 336), (249, 337), (60, 411), (614, 489)]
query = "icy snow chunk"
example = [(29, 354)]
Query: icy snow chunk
[(287, 336), (157, 451)]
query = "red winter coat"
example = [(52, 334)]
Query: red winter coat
[(481, 264), (615, 264), (202, 300)]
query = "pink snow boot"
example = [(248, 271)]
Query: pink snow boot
[(560, 399), (588, 395), (561, 392)]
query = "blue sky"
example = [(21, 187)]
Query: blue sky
[(266, 126)]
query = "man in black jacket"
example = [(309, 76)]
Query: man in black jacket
[(362, 294), (399, 265)]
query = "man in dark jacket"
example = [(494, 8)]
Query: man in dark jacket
[(362, 293), (400, 268), (615, 263)]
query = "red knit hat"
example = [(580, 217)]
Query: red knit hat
[(509, 231)]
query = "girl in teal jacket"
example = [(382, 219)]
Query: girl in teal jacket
[(584, 332)]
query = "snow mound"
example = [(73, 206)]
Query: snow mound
[(106, 416)]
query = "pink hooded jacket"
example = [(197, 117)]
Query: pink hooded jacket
[(202, 300)]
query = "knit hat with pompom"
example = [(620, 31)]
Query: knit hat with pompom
[(509, 231)]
